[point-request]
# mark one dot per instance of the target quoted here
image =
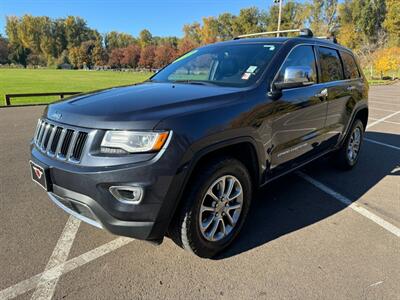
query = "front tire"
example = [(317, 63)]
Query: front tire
[(217, 202), (347, 156)]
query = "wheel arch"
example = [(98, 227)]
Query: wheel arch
[(244, 149), (362, 113)]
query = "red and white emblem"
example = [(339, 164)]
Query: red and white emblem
[(38, 172)]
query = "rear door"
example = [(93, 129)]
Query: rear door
[(353, 82), (300, 112), (338, 94)]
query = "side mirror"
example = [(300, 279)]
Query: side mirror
[(295, 76)]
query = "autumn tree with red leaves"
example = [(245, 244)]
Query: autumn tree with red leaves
[(147, 56)]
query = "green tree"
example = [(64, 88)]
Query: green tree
[(294, 16), (145, 38), (74, 57), (226, 26), (323, 16), (18, 54), (392, 21), (3, 50), (99, 55), (248, 21), (116, 39), (368, 16), (192, 32)]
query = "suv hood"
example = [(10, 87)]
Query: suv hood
[(140, 106)]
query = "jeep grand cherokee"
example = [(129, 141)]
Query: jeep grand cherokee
[(181, 154)]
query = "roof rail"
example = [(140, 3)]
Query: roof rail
[(302, 32), (331, 38)]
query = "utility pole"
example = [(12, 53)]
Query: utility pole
[(280, 14)]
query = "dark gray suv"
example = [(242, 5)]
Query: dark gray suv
[(182, 153)]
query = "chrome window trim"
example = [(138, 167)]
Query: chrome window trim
[(315, 45)]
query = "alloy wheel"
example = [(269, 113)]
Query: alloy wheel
[(221, 208)]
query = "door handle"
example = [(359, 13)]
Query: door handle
[(351, 88), (322, 95)]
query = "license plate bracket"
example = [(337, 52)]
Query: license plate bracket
[(40, 175)]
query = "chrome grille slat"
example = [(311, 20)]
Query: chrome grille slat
[(50, 141), (41, 132), (56, 139), (39, 123), (80, 143), (59, 141), (43, 137), (47, 136), (66, 143), (72, 144)]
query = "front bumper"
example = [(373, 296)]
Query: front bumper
[(89, 211), (83, 191)]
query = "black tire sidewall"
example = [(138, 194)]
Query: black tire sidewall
[(348, 162)]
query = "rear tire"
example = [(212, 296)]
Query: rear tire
[(215, 207), (347, 156)]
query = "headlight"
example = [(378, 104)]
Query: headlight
[(133, 141)]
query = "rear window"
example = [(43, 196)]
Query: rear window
[(349, 66), (331, 66)]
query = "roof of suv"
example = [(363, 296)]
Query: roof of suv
[(283, 40)]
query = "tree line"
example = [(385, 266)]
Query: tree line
[(367, 26)]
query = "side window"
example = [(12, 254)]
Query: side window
[(349, 66), (331, 67), (300, 60)]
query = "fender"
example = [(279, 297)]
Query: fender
[(173, 199), (362, 105), (260, 156)]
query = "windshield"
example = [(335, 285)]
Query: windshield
[(237, 65)]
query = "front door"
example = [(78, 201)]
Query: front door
[(300, 113)]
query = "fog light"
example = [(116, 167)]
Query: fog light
[(127, 194)]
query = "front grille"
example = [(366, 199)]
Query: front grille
[(59, 141)]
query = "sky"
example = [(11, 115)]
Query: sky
[(161, 17)]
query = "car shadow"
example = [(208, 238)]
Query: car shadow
[(290, 203)]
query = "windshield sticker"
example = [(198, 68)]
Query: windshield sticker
[(251, 69), (246, 76), (185, 56), (270, 47)]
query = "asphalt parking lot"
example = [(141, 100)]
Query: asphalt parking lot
[(317, 234)]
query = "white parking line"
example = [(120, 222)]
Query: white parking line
[(382, 144), (45, 288), (65, 267), (384, 103), (381, 109), (391, 122), (354, 206), (383, 119)]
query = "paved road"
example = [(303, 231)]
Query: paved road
[(331, 235)]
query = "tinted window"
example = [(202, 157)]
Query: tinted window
[(236, 65), (331, 67), (301, 56), (349, 66)]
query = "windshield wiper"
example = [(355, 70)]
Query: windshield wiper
[(197, 82)]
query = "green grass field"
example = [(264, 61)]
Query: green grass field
[(19, 81)]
